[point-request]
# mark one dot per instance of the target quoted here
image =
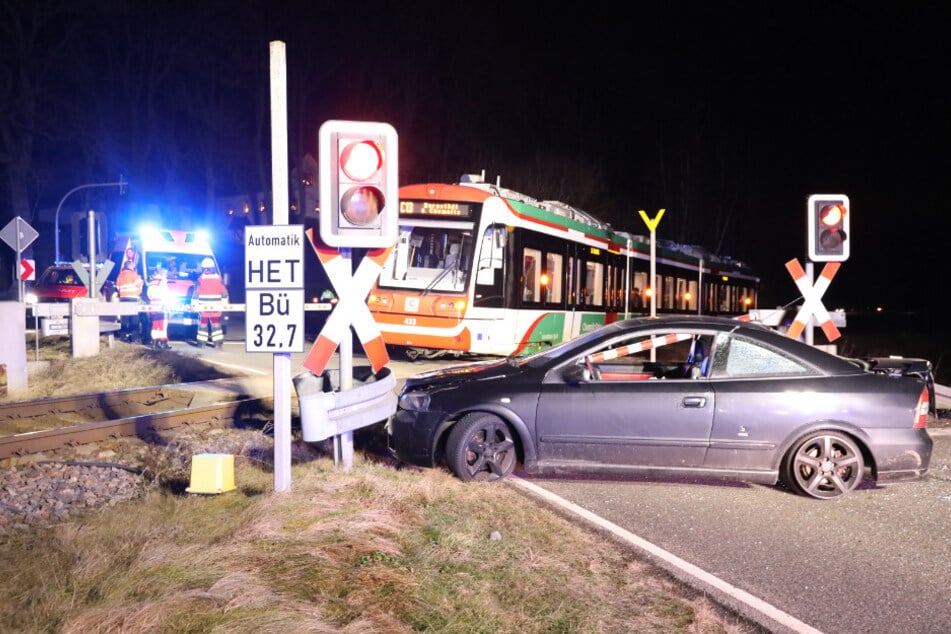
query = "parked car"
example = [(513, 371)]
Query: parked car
[(688, 396), (61, 283)]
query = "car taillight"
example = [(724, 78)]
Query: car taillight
[(921, 412)]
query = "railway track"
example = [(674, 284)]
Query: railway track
[(45, 425)]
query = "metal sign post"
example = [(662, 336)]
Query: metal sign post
[(280, 204)]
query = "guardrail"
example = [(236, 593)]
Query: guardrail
[(326, 412)]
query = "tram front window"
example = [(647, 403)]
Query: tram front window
[(431, 259)]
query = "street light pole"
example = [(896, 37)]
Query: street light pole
[(121, 185)]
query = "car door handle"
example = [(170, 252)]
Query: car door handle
[(695, 401)]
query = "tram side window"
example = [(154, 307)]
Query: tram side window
[(574, 281), (531, 273), (668, 292), (611, 290), (594, 283), (553, 268), (709, 297), (617, 288), (637, 292), (726, 299), (490, 255)]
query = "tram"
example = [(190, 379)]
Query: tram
[(479, 269)]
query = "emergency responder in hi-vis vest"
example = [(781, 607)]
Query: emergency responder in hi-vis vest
[(158, 295), (210, 289), (129, 286)]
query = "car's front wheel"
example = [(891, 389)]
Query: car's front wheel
[(481, 447), (824, 465)]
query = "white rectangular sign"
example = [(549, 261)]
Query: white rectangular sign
[(277, 322), (274, 288)]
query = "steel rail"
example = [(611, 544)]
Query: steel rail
[(145, 426), (59, 405)]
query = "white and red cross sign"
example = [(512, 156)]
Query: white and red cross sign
[(352, 290), (812, 296)]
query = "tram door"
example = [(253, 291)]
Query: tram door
[(490, 269)]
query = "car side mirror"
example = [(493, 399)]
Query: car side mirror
[(576, 374)]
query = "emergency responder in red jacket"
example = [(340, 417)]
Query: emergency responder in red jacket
[(129, 286), (158, 296), (210, 289)]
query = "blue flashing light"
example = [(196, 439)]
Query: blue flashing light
[(148, 231)]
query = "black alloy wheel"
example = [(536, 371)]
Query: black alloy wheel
[(481, 448), (824, 465)]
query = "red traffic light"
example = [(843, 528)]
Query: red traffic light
[(359, 184), (831, 215), (827, 217), (361, 160)]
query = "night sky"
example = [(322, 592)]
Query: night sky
[(728, 114)]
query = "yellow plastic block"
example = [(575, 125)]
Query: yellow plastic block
[(212, 473)]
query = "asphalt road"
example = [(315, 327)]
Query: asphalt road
[(877, 560)]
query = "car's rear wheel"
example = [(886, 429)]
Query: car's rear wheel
[(480, 447), (824, 465)]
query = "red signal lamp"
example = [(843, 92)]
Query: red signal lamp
[(827, 230), (831, 215), (361, 160)]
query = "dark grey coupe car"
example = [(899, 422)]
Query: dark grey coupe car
[(691, 396)]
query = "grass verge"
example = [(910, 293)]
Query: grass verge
[(374, 549)]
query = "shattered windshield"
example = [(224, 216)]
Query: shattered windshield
[(430, 258)]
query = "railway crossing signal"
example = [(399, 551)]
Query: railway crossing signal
[(812, 299), (359, 184), (827, 218), (352, 290)]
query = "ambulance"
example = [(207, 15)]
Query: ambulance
[(179, 254)]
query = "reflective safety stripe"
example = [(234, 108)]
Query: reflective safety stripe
[(812, 296), (352, 288)]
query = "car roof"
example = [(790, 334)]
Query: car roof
[(694, 321)]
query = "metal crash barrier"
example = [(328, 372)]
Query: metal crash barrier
[(325, 411)]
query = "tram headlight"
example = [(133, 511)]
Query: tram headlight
[(448, 307)]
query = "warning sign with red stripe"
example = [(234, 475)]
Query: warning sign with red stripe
[(812, 296), (352, 290)]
